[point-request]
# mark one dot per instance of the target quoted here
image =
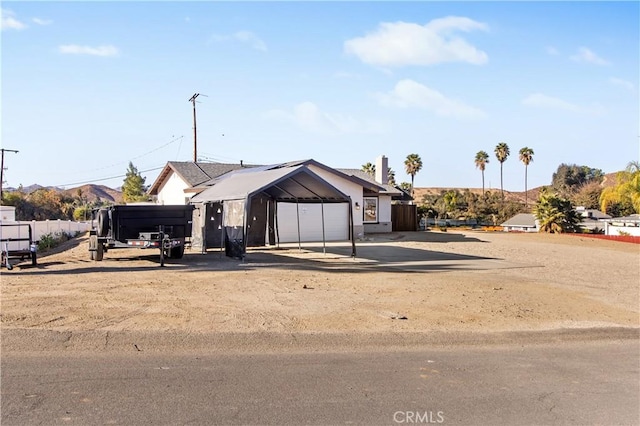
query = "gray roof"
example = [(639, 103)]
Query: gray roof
[(293, 184), (194, 174), (388, 189), (521, 219)]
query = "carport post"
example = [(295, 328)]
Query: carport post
[(353, 237), (324, 243), (221, 230), (298, 218)]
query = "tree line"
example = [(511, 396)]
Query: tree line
[(571, 185), (49, 203)]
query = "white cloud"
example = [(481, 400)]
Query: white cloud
[(74, 49), (244, 37), (402, 43), (40, 21), (410, 94), (308, 117), (622, 83), (586, 55), (539, 100), (8, 21)]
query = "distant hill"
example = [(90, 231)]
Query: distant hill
[(94, 192), (90, 192), (532, 193)]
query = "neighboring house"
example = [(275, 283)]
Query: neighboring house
[(592, 219), (369, 209), (180, 180), (522, 222), (627, 225)]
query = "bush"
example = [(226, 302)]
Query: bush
[(54, 239)]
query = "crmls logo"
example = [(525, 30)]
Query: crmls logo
[(422, 417)]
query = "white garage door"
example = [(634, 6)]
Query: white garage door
[(336, 222)]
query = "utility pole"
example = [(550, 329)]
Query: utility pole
[(195, 133), (2, 169)]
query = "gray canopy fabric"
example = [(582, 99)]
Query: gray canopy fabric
[(288, 184), (296, 184)]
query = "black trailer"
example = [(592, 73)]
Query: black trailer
[(166, 228)]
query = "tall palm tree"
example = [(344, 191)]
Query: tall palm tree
[(369, 169), (412, 165), (482, 159), (502, 152), (526, 156)]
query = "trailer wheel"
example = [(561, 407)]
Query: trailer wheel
[(93, 242), (103, 223), (99, 252), (176, 252)]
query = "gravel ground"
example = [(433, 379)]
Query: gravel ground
[(432, 284)]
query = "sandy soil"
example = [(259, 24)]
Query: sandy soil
[(401, 282)]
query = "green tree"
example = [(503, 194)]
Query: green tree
[(502, 152), (526, 156), (555, 214), (369, 169), (391, 176), (412, 165), (482, 159), (133, 188), (406, 187), (570, 178), (626, 192)]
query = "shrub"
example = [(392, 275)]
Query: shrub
[(54, 239)]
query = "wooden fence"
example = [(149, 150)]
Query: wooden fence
[(404, 217)]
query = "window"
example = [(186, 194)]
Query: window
[(370, 210)]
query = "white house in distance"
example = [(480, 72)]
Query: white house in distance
[(369, 207)]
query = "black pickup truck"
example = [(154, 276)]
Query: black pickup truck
[(167, 228)]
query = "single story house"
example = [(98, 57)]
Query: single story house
[(592, 219), (522, 222), (337, 205), (626, 225)]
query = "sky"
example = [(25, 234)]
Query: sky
[(88, 87)]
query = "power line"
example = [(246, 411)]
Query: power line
[(106, 178)]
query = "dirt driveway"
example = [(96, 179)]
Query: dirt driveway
[(420, 282)]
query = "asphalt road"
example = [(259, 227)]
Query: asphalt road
[(579, 383)]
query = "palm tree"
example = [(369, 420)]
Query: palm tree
[(502, 152), (412, 165), (482, 158), (526, 156), (391, 176), (555, 214), (369, 169)]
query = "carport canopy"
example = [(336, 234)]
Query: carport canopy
[(295, 184), (288, 184)]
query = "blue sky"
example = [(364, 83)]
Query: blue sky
[(88, 86)]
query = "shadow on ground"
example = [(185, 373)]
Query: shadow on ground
[(377, 253)]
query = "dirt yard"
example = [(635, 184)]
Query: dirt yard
[(418, 282)]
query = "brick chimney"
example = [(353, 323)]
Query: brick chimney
[(382, 170)]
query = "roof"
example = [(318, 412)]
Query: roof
[(367, 184), (293, 184), (193, 174), (388, 189), (208, 174), (521, 219)]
